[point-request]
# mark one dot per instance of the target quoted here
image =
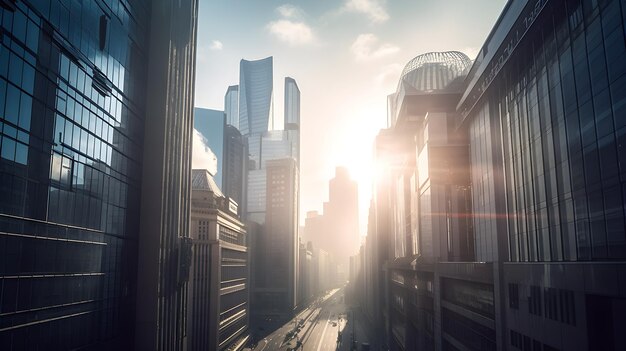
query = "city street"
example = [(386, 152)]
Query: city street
[(319, 327)]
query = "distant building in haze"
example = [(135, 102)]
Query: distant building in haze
[(292, 104), (343, 212), (304, 290), (336, 231)]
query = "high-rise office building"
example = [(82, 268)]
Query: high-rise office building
[(292, 104), (272, 145), (235, 167), (336, 231), (231, 106), (219, 285), (269, 151), (343, 213), (166, 184), (304, 291), (292, 116), (267, 145), (503, 205), (256, 96), (84, 109), (211, 124), (277, 265)]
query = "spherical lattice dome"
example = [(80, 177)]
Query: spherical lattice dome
[(435, 70)]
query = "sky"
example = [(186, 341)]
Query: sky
[(346, 56)]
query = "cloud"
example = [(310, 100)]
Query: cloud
[(366, 47), (216, 45), (201, 155), (290, 11), (373, 9), (293, 33), (291, 27), (389, 74)]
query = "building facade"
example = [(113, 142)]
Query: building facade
[(235, 167), (81, 99), (78, 94), (277, 251), (343, 213), (265, 147), (231, 106), (292, 114), (502, 208), (256, 96), (336, 230), (219, 287), (305, 276)]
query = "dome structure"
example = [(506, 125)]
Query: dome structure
[(435, 71)]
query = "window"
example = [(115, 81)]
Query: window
[(61, 169), (514, 296), (534, 301)]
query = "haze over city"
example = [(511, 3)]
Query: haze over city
[(339, 175), (347, 57)]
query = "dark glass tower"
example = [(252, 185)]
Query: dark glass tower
[(82, 95)]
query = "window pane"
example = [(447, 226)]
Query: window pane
[(8, 148)]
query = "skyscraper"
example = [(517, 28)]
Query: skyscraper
[(276, 273), (235, 167), (343, 211), (256, 122), (292, 116), (292, 104), (211, 123), (231, 106), (84, 109), (256, 95), (503, 205), (164, 245), (336, 231)]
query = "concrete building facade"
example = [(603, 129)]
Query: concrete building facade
[(219, 288), (501, 208)]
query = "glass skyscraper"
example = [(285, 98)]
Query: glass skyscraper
[(292, 104), (235, 165), (79, 84), (256, 94), (231, 106), (272, 145), (256, 123)]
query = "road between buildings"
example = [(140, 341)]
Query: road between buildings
[(322, 321)]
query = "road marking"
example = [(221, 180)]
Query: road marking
[(265, 345), (319, 346)]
